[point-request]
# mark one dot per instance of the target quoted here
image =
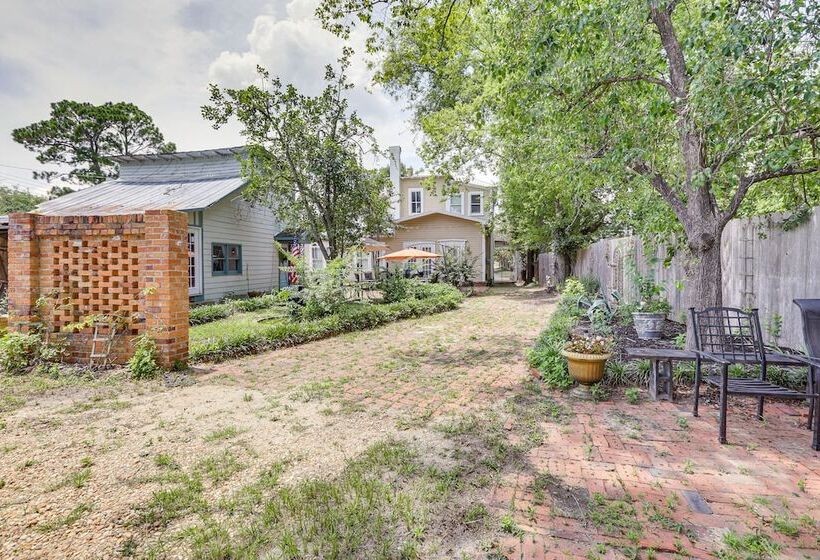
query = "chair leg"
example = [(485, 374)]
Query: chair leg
[(723, 403), (811, 391), (697, 387), (815, 444)]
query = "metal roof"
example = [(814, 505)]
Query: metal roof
[(191, 181)]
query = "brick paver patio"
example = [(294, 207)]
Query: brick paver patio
[(666, 463)]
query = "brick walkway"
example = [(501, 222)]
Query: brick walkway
[(669, 467)]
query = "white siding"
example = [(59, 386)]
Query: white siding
[(232, 220)]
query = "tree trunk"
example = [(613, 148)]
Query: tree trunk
[(564, 263), (704, 282)]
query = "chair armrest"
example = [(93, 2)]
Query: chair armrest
[(712, 358), (808, 360)]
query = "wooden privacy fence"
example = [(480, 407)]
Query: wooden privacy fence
[(764, 267)]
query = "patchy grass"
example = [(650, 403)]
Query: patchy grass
[(69, 519), (752, 546), (76, 479), (228, 432), (219, 468)]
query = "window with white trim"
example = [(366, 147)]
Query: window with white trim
[(317, 259), (476, 203), (416, 206), (452, 246), (455, 203)]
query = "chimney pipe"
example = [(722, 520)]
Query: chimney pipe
[(395, 179)]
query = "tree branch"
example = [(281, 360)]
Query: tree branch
[(660, 185), (747, 181)]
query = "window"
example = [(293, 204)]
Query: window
[(476, 203), (415, 201), (226, 258), (361, 261), (452, 246), (456, 203), (317, 259)]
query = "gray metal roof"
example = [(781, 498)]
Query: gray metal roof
[(182, 181)]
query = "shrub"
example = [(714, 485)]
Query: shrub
[(202, 314), (591, 284), (206, 313), (19, 352), (394, 286), (324, 288), (350, 317), (546, 356), (143, 364), (456, 268)]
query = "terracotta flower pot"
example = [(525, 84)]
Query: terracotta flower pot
[(586, 369)]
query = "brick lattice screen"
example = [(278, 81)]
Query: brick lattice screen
[(133, 266)]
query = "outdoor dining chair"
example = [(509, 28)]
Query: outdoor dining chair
[(726, 336), (810, 312)]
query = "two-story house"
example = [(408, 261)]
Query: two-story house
[(436, 219)]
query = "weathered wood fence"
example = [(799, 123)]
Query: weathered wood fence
[(764, 266)]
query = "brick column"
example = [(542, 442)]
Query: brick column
[(164, 270), (23, 270)]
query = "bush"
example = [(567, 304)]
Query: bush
[(202, 314), (394, 286), (324, 288), (591, 284), (350, 317), (456, 268), (143, 364), (546, 356), (19, 352)]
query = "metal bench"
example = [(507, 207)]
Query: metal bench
[(661, 380)]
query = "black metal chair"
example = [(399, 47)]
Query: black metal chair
[(810, 312), (726, 336)]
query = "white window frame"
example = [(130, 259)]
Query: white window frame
[(450, 203), (410, 201), (316, 256), (459, 245), (195, 261), (470, 203)]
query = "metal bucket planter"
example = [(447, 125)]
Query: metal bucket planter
[(586, 369), (649, 325)]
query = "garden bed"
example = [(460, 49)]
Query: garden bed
[(244, 333)]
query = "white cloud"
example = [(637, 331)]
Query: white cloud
[(161, 55), (294, 47)]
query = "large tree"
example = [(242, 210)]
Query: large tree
[(709, 103), (83, 137), (305, 157)]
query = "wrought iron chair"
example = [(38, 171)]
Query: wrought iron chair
[(726, 336), (810, 311)]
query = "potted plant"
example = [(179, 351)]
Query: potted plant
[(586, 357), (650, 312)]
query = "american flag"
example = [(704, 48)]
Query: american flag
[(296, 251)]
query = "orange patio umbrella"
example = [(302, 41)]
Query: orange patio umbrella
[(406, 254)]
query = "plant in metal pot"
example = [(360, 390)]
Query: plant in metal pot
[(651, 310), (586, 357)]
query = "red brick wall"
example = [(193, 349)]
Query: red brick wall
[(133, 266)]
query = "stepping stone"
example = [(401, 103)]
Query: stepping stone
[(696, 501)]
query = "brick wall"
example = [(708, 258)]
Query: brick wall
[(64, 269)]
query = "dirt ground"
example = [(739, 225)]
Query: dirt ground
[(93, 450)]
